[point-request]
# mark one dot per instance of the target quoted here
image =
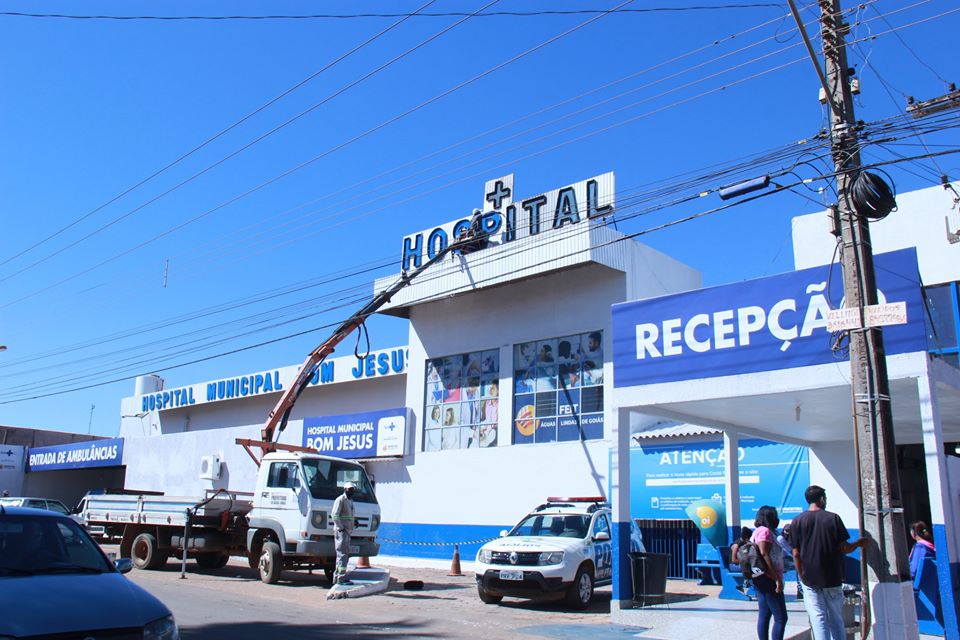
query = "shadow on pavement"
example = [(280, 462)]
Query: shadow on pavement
[(260, 630)]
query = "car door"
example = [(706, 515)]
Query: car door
[(602, 547), (280, 500)]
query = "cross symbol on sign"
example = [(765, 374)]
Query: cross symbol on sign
[(7, 453), (498, 194)]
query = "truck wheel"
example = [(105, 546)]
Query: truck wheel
[(580, 592), (212, 560), (271, 562), (328, 574), (486, 597), (146, 552)]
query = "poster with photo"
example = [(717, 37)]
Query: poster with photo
[(461, 396), (434, 416), (566, 382)]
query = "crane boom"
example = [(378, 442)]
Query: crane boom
[(277, 418)]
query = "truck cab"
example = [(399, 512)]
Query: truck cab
[(290, 524)]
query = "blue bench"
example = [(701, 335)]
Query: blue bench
[(708, 565)]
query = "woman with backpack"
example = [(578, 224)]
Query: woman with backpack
[(769, 584)]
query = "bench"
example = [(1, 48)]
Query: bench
[(708, 564)]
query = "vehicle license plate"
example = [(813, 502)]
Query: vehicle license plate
[(511, 575), (354, 548)]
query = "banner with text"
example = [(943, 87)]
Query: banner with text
[(666, 479), (76, 455), (374, 434), (765, 324)]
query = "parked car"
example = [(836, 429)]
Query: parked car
[(47, 504), (55, 581), (562, 549)]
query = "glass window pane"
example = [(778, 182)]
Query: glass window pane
[(460, 392), (556, 380), (941, 317)]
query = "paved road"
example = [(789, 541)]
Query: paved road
[(231, 604)]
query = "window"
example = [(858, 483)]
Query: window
[(462, 401), (283, 475), (558, 389), (56, 505), (941, 321), (601, 525)]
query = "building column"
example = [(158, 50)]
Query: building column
[(622, 597), (731, 469), (942, 514)]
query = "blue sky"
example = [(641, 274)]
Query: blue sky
[(89, 108)]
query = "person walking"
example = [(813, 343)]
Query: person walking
[(769, 584), (820, 541), (343, 522)]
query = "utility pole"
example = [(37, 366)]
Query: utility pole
[(891, 592)]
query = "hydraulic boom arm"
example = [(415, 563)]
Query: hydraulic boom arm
[(277, 419)]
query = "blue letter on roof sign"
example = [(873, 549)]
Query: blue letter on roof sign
[(411, 254)]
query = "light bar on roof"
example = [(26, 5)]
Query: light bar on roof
[(578, 499)]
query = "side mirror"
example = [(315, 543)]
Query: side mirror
[(503, 533), (602, 536), (123, 565)]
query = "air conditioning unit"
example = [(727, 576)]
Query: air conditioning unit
[(210, 467)]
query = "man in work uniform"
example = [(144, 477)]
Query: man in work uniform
[(343, 521)]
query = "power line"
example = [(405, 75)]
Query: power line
[(216, 136), (334, 149), (352, 16)]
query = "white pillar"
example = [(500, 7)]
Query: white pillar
[(622, 597), (942, 517), (731, 468)]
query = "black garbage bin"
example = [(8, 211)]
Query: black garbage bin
[(649, 572)]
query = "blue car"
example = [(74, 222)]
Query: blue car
[(55, 581)]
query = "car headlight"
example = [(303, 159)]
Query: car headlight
[(484, 556), (162, 629), (550, 557)]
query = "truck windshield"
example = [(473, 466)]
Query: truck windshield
[(325, 479)]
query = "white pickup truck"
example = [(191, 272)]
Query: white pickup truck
[(284, 524)]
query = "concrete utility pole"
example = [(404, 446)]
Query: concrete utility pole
[(891, 592)]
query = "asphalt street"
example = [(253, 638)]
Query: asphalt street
[(231, 603)]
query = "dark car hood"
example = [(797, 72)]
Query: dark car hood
[(62, 603)]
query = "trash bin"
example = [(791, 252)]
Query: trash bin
[(649, 573)]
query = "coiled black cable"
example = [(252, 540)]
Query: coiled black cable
[(872, 196)]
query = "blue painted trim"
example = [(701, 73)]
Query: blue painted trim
[(428, 540), (947, 577), (622, 578)]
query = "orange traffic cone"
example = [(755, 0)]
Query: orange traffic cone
[(455, 564), (363, 562)]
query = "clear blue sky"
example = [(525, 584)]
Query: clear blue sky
[(89, 108)]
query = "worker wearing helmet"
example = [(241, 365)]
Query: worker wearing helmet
[(343, 521)]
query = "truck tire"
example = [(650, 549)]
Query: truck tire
[(328, 574), (486, 597), (146, 552), (212, 560), (580, 592), (271, 562)]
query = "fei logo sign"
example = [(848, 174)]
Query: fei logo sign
[(766, 324)]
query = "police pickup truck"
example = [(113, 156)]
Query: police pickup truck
[(562, 549)]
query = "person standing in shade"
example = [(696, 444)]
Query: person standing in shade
[(343, 521), (820, 541), (769, 584), (923, 548)]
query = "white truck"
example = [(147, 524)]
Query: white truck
[(284, 524)]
